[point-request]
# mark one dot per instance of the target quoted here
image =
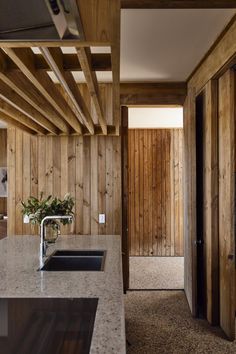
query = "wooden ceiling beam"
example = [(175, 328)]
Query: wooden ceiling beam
[(9, 120), (21, 117), (84, 56), (146, 94), (99, 62), (178, 4), (25, 89), (11, 97), (24, 59), (55, 60)]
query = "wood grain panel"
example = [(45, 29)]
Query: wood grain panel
[(189, 151), (87, 167), (3, 163), (155, 192), (227, 202)]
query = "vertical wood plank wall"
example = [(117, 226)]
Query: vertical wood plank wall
[(89, 168), (189, 143), (3, 163), (155, 192)]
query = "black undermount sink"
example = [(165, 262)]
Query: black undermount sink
[(75, 260)]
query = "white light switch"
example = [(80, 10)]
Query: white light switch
[(102, 219)]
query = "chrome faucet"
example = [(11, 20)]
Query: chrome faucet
[(43, 242)]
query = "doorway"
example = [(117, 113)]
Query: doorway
[(155, 194)]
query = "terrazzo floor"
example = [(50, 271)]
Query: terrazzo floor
[(156, 273), (160, 322)]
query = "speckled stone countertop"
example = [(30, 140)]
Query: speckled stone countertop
[(19, 277)]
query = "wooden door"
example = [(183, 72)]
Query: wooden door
[(226, 202)]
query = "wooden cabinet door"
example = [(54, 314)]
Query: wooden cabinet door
[(227, 202)]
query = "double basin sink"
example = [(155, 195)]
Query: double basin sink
[(75, 260)]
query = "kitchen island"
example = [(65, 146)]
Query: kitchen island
[(20, 278)]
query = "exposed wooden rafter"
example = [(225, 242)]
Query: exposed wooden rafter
[(144, 94), (99, 62), (11, 97), (29, 81), (55, 61), (23, 58), (178, 4), (21, 117), (84, 56), (11, 121)]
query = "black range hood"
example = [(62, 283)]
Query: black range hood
[(29, 20)]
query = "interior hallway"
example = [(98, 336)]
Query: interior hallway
[(160, 322)]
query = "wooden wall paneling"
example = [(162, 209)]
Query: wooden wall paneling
[(56, 159), (79, 186), (180, 197), (86, 185), (11, 164), (137, 193), (154, 227), (3, 163), (219, 58), (150, 177), (109, 172), (64, 173), (125, 196), (227, 202), (72, 175), (159, 194), (94, 185), (163, 193), (49, 166), (168, 202), (18, 181), (141, 189), (116, 185), (190, 201), (34, 173), (145, 197), (26, 172), (177, 193), (211, 237), (102, 181)]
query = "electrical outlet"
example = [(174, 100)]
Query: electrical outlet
[(102, 219), (26, 219)]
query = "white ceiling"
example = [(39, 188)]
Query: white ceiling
[(166, 45), (2, 124)]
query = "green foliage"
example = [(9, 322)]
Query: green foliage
[(37, 209)]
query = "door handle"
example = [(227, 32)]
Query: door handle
[(198, 242), (231, 257)]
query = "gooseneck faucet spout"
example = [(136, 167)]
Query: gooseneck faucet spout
[(43, 242)]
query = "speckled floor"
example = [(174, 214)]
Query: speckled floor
[(160, 322), (156, 272)]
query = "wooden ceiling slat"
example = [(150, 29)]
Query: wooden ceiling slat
[(11, 121), (99, 62), (23, 87), (21, 117), (10, 96), (84, 56), (178, 4), (55, 59), (24, 59)]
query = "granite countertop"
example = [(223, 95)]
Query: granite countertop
[(19, 262)]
